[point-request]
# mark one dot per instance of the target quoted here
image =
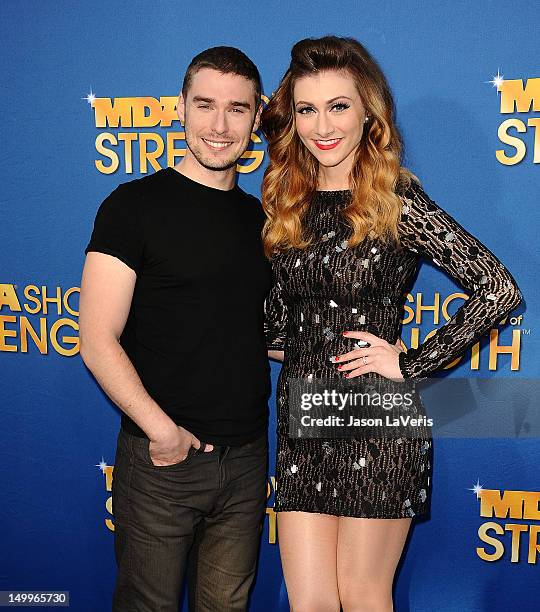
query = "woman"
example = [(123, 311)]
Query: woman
[(346, 225)]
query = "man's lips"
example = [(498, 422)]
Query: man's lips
[(217, 145), (325, 145)]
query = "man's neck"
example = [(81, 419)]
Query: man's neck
[(218, 179)]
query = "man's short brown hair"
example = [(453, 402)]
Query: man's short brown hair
[(227, 60)]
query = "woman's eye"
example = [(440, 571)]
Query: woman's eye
[(340, 106)]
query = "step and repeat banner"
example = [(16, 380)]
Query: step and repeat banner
[(88, 102)]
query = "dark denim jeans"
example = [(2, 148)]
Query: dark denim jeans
[(204, 514)]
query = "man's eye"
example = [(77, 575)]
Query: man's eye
[(238, 110), (203, 106)]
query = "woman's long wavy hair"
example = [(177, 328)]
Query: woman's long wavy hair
[(290, 180)]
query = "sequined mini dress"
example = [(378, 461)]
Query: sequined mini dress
[(329, 287)]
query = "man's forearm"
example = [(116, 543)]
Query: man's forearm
[(113, 370)]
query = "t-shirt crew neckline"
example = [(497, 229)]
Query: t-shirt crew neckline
[(185, 180)]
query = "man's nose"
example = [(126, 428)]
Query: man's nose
[(220, 124)]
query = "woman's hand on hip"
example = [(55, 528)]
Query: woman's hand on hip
[(380, 357)]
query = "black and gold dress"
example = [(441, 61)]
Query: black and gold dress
[(327, 288)]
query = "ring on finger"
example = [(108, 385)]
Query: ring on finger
[(364, 359)]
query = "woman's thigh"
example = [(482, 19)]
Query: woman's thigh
[(308, 549), (368, 552)]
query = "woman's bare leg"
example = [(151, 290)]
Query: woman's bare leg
[(308, 549), (367, 556)]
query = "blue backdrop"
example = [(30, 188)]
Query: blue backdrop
[(86, 104)]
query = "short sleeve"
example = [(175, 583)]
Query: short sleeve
[(117, 228), (275, 314), (428, 231)]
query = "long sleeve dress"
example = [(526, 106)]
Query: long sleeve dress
[(329, 287)]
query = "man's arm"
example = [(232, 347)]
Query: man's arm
[(106, 292)]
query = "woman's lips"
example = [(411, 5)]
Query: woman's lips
[(326, 145)]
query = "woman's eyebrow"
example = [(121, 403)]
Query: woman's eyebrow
[(328, 101)]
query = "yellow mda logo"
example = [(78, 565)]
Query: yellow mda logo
[(518, 96), (520, 539)]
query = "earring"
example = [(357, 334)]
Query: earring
[(366, 119)]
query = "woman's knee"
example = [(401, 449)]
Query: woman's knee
[(314, 603), (366, 597)]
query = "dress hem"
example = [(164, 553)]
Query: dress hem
[(300, 508)]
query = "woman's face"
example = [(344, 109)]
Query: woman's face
[(329, 117)]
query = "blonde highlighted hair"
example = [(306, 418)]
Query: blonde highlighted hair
[(290, 180)]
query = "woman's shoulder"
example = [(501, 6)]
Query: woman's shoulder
[(415, 201)]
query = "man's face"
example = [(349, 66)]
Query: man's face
[(219, 116)]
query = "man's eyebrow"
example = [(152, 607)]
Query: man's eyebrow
[(203, 99), (241, 103), (328, 101)]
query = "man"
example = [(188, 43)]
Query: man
[(171, 326)]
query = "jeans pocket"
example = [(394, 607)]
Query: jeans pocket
[(143, 445)]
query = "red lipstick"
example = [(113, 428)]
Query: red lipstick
[(327, 147)]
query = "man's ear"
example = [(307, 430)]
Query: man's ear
[(257, 121), (181, 108)]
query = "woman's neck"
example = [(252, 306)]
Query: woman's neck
[(333, 179)]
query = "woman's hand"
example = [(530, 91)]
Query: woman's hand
[(380, 357)]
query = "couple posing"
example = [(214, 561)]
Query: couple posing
[(182, 302)]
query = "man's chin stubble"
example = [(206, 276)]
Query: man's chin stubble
[(217, 168), (216, 165)]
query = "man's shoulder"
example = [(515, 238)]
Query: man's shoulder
[(253, 199), (247, 195), (144, 185), (254, 205), (249, 198), (141, 194)]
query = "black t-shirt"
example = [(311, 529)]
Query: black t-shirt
[(195, 327)]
